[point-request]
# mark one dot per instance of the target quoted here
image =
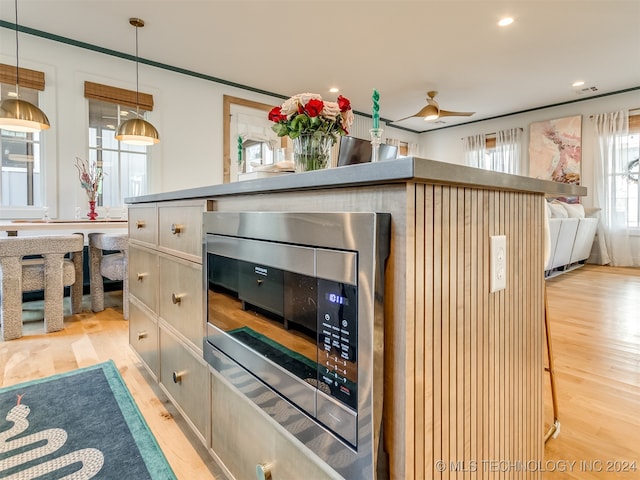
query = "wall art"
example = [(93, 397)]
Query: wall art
[(555, 149)]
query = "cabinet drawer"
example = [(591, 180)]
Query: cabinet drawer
[(143, 336), (234, 419), (143, 225), (181, 298), (143, 276), (185, 377), (180, 230)]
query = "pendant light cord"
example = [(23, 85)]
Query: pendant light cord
[(17, 55), (137, 76)]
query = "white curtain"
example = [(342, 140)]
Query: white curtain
[(611, 187), (475, 149), (508, 155), (413, 150)]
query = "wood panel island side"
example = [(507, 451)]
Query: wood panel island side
[(463, 366)]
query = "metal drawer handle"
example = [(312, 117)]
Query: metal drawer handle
[(177, 376), (176, 298), (141, 276), (176, 228), (140, 224), (142, 335), (263, 471)]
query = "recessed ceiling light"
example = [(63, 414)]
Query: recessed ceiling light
[(579, 83), (505, 21), (334, 89)]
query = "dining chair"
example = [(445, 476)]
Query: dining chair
[(49, 271), (113, 266)]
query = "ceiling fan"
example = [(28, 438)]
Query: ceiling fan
[(432, 110)]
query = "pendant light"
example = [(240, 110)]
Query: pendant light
[(137, 131), (18, 115)]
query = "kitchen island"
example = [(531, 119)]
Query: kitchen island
[(463, 365)]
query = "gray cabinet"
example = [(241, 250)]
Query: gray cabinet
[(166, 330), (243, 437), (166, 303)]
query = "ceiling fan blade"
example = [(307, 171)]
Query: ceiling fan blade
[(446, 113), (421, 113), (426, 110)]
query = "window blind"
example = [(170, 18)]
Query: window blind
[(119, 96), (28, 78)]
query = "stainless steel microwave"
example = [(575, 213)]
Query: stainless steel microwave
[(295, 301)]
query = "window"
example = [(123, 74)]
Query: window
[(124, 166), (625, 177), (21, 160), (22, 182), (500, 152)]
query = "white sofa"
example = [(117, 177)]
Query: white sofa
[(572, 230)]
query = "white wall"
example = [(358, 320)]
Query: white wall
[(446, 144), (187, 113)]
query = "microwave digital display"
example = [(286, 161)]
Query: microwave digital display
[(338, 299)]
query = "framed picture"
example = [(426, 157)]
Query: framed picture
[(555, 150)]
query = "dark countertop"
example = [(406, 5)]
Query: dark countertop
[(404, 170)]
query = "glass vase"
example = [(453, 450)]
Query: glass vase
[(312, 152)]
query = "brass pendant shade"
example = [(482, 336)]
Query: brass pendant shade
[(137, 131), (21, 116)]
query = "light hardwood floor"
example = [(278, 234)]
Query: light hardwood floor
[(595, 332), (88, 339), (594, 317)]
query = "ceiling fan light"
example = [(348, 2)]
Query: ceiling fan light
[(137, 131), (21, 116), (431, 112)]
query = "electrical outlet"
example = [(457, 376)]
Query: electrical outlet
[(498, 261)]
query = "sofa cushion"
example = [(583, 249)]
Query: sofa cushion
[(556, 210), (574, 210)]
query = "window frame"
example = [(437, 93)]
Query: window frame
[(123, 100), (633, 131), (48, 159), (96, 153)]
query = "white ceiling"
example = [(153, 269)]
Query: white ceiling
[(401, 48)]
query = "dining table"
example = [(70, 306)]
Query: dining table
[(13, 228)]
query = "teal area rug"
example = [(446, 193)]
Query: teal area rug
[(82, 425)]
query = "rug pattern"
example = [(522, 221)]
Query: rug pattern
[(82, 425)]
